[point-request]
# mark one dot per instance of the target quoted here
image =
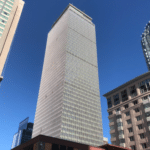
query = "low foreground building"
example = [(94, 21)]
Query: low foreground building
[(42, 142)]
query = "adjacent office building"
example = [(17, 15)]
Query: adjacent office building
[(129, 113), (24, 133), (10, 12), (68, 104), (145, 42)]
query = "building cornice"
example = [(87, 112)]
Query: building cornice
[(127, 83)]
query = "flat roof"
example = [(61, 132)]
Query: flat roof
[(74, 8), (127, 83)]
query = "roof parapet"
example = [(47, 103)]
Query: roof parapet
[(70, 5)]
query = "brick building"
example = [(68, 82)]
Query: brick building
[(129, 113)]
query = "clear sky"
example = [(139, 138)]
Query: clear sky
[(119, 25)]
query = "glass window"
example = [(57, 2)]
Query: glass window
[(148, 123), (118, 117), (133, 147), (145, 98), (131, 138), (138, 118), (129, 121), (147, 105), (116, 99), (9, 3), (113, 143), (122, 141), (1, 30), (124, 95), (3, 21), (121, 132), (110, 113), (147, 114), (1, 2), (119, 124), (109, 102), (133, 91), (142, 136), (126, 106), (144, 145), (144, 86), (4, 17), (118, 109), (136, 110), (140, 126), (4, 12), (130, 130), (135, 102), (111, 120), (7, 9), (112, 127), (127, 113), (8, 6), (2, 25), (113, 135)]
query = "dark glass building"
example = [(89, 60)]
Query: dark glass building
[(145, 42), (24, 133)]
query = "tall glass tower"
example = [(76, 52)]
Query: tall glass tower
[(10, 12), (68, 104), (24, 133), (145, 42)]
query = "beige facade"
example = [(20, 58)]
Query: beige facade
[(9, 17), (129, 113)]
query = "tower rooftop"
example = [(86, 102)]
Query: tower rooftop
[(70, 5)]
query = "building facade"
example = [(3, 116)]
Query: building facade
[(10, 12), (68, 104), (24, 133), (129, 113), (145, 42)]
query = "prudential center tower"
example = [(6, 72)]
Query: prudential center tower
[(68, 104)]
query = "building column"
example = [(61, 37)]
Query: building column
[(124, 130), (135, 132)]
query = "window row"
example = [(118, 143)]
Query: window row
[(117, 100), (127, 106), (131, 138), (144, 86)]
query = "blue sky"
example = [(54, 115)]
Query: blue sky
[(119, 25)]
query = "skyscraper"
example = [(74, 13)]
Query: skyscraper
[(68, 104), (24, 133), (145, 42), (10, 11)]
